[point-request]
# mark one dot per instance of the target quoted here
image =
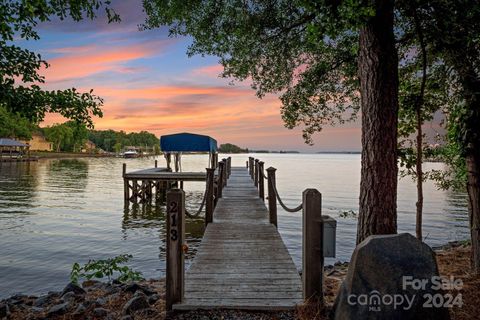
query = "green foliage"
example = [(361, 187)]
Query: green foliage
[(110, 140), (105, 268), (60, 135), (304, 49), (453, 85), (13, 125), (156, 149), (117, 147), (19, 77), (69, 136), (231, 148)]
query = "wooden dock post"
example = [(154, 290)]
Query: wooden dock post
[(175, 239), (250, 159), (224, 172), (312, 243), (261, 181), (255, 179), (221, 168), (209, 205), (272, 199), (126, 187), (229, 162)]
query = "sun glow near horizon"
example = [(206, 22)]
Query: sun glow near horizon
[(148, 83)]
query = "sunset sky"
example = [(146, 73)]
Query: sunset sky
[(149, 83)]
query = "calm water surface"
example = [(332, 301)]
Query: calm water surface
[(57, 212)]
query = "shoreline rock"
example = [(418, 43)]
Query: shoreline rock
[(92, 300)]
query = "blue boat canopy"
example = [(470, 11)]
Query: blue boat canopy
[(187, 142)]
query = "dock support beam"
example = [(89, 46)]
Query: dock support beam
[(126, 187), (261, 181), (209, 205), (312, 243), (272, 199), (175, 239)]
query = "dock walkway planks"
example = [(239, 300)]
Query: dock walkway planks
[(242, 262)]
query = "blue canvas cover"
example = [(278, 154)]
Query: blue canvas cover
[(187, 142)]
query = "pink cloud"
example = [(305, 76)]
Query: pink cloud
[(210, 71), (84, 61)]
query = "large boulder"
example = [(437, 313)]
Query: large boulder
[(383, 281)]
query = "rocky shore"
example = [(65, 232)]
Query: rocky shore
[(92, 300), (146, 299)]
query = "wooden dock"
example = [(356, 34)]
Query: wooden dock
[(242, 262)]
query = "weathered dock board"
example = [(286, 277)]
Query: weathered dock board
[(242, 262)]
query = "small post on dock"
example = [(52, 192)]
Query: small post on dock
[(175, 241), (126, 187), (209, 205), (156, 163), (221, 168), (261, 181), (229, 162), (250, 159), (312, 244), (255, 180), (225, 172), (272, 199)]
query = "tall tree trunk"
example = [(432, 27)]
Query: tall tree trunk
[(419, 172), (473, 189), (472, 158), (378, 73), (418, 111)]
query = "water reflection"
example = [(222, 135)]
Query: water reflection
[(17, 191), (57, 212), (67, 173), (152, 216)]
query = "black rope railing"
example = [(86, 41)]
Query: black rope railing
[(201, 206), (277, 195), (296, 209)]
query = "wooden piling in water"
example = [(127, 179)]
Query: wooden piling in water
[(175, 272), (126, 187), (312, 255), (134, 191)]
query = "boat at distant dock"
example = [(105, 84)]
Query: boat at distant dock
[(131, 154)]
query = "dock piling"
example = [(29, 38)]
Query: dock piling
[(209, 205), (272, 199), (312, 241), (175, 240), (261, 181)]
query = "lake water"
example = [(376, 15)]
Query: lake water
[(57, 212)]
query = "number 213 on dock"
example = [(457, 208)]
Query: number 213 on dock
[(173, 222)]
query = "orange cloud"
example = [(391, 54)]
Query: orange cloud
[(84, 61)]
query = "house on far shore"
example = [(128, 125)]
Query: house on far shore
[(90, 147), (39, 143)]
